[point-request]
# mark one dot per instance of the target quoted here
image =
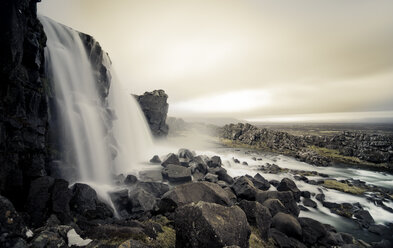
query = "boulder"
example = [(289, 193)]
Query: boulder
[(214, 162), (141, 201), (185, 153), (211, 178), (121, 201), (309, 203), (244, 188), (285, 197), (61, 197), (155, 188), (12, 227), (206, 224), (364, 218), (287, 184), (260, 182), (281, 240), (85, 202), (223, 176), (130, 180), (194, 192), (171, 158), (287, 224), (275, 206), (257, 215), (176, 173), (38, 200), (155, 160), (313, 231), (198, 164)]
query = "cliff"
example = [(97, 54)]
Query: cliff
[(155, 107), (23, 99)]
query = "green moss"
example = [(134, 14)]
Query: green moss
[(255, 240), (166, 239), (333, 184), (234, 144)]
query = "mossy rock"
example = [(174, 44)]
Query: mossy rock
[(343, 187)]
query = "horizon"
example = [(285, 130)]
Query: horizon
[(280, 61)]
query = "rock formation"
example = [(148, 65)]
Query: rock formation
[(155, 107)]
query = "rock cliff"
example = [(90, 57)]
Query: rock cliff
[(23, 99), (155, 107)]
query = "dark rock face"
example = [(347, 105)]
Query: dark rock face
[(23, 99), (285, 197), (155, 107), (176, 173), (287, 224), (244, 188), (205, 224), (257, 215), (287, 184), (194, 192)]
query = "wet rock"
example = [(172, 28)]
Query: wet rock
[(244, 163), (150, 175), (306, 194), (205, 224), (287, 184), (155, 107), (121, 201), (38, 200), (155, 188), (287, 224), (309, 203), (171, 158), (283, 241), (364, 218), (176, 173), (199, 164), (275, 183), (259, 182), (244, 188), (185, 153), (214, 162), (49, 239), (194, 192), (382, 244), (258, 216), (141, 201), (303, 208), (130, 180), (155, 160), (236, 160), (223, 175), (61, 197), (312, 231), (320, 197)]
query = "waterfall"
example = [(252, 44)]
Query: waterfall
[(101, 137)]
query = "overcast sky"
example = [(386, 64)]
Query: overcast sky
[(248, 59)]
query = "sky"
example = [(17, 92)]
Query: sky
[(256, 60)]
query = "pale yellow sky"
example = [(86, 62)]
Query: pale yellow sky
[(247, 58)]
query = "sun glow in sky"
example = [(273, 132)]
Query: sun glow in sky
[(246, 59)]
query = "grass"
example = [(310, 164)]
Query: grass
[(333, 184)]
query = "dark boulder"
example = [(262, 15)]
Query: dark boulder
[(287, 224), (257, 215), (194, 192), (155, 160), (171, 158), (260, 182), (313, 231), (306, 194), (121, 201), (287, 184), (223, 176), (211, 178), (155, 188), (141, 202), (205, 224), (309, 203), (155, 107), (185, 153), (285, 197), (38, 200), (130, 180), (198, 164), (275, 206), (176, 173), (61, 197), (364, 218), (214, 162), (320, 197), (244, 188), (281, 240), (85, 202)]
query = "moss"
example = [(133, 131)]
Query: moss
[(166, 239), (255, 240), (235, 144), (333, 184)]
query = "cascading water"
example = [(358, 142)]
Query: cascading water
[(98, 145)]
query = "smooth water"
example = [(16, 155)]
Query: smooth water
[(100, 144)]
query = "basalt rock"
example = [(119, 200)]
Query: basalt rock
[(155, 107)]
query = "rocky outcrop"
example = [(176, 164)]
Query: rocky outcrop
[(23, 99), (318, 150), (155, 107)]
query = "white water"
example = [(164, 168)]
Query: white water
[(84, 116)]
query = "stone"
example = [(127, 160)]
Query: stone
[(157, 189), (155, 160), (176, 173), (211, 178), (287, 224), (194, 192), (309, 203), (260, 182), (258, 216), (185, 153), (38, 200), (287, 184), (155, 107), (171, 158), (283, 241), (10, 222), (364, 218), (198, 164), (313, 231), (141, 201), (285, 197), (214, 162), (223, 175), (206, 224), (306, 194), (61, 197), (244, 188), (320, 197), (275, 206), (130, 180)]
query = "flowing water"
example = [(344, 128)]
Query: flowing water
[(100, 144)]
